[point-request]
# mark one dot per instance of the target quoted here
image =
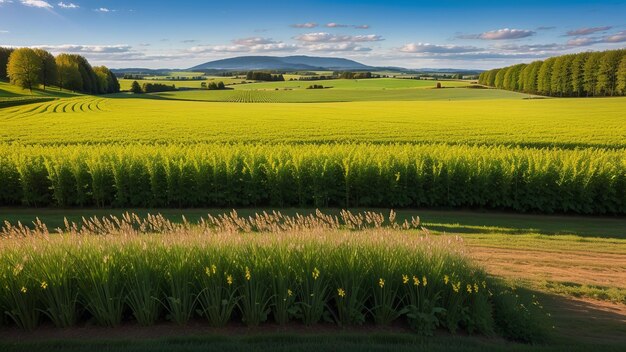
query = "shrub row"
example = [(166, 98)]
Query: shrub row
[(589, 181)]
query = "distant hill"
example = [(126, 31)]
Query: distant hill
[(287, 63)]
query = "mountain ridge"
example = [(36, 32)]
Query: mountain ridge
[(294, 62)]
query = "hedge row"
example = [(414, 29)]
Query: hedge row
[(588, 181)]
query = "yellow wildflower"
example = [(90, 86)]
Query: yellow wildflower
[(229, 280), (341, 292), (456, 287), (248, 276), (446, 279), (207, 271), (469, 288), (484, 284), (24, 290), (381, 282), (405, 279), (416, 281), (213, 268), (316, 273), (476, 287), (44, 285), (289, 293), (424, 282)]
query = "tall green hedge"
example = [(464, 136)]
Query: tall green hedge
[(585, 181)]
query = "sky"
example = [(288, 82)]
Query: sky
[(410, 34)]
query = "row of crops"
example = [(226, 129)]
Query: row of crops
[(307, 269), (50, 105), (585, 181)]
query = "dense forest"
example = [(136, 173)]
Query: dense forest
[(31, 68), (585, 74)]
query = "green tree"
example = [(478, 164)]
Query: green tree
[(499, 79), (24, 68), (4, 61), (529, 77), (135, 88), (621, 76), (68, 76), (607, 72), (543, 77), (107, 81), (591, 73), (511, 77), (48, 72), (560, 81), (491, 77), (577, 73)]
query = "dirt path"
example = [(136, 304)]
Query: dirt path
[(590, 268), (581, 319)]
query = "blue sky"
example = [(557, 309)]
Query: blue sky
[(180, 34)]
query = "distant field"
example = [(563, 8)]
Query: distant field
[(187, 83), (245, 94), (376, 84), (538, 123)]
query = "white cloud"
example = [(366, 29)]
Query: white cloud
[(581, 41), (531, 48), (324, 37), (252, 41), (618, 37), (339, 25), (615, 38), (335, 47), (69, 5), (84, 49), (437, 49), (36, 3), (336, 25), (499, 34), (104, 10), (5, 2), (587, 30), (242, 45), (304, 25)]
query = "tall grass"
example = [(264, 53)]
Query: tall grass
[(586, 181), (349, 270)]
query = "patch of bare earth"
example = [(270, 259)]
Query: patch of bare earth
[(576, 318)]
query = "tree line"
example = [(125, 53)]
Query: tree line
[(584, 74), (264, 76), (29, 68)]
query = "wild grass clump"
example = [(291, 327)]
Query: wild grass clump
[(351, 269)]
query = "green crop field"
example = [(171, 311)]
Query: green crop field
[(379, 143), (245, 93), (185, 83)]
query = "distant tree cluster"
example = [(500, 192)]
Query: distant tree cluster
[(214, 85), (30, 68), (133, 76), (316, 78), (157, 87), (576, 75), (315, 86), (355, 75), (264, 76)]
